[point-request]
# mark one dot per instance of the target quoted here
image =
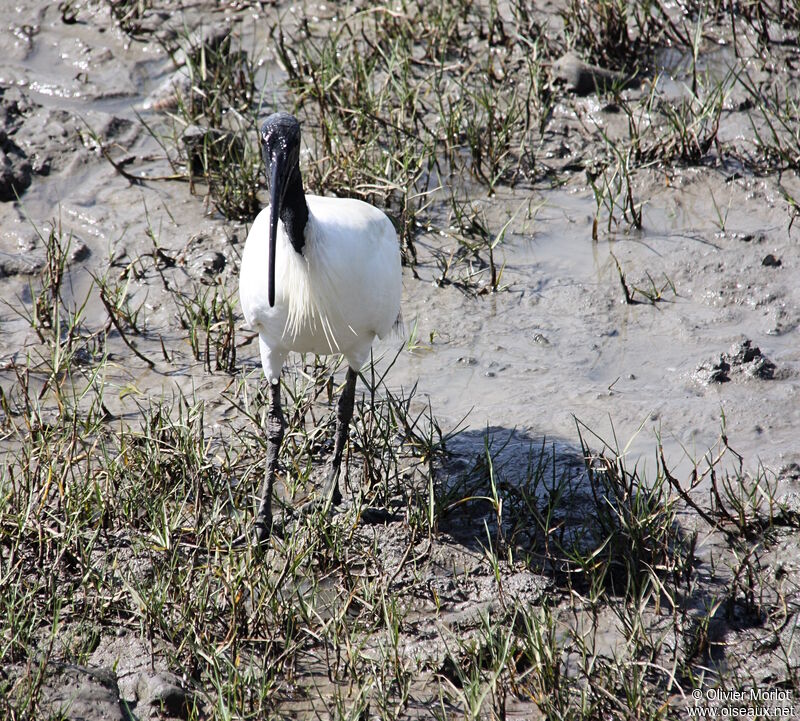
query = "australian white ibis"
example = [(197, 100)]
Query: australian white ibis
[(319, 275)]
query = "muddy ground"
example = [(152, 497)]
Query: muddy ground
[(666, 349)]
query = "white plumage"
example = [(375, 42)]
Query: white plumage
[(335, 296)]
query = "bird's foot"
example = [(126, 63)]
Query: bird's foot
[(329, 499), (324, 504), (259, 534)]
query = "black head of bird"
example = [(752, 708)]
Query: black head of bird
[(280, 149)]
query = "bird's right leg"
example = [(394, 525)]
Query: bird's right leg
[(262, 526)]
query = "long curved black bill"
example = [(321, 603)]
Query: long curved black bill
[(275, 200), (275, 195)]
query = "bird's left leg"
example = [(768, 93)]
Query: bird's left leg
[(344, 414), (331, 495)]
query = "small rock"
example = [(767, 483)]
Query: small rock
[(163, 259), (79, 252), (712, 372), (13, 107), (15, 172), (41, 163), (214, 263), (750, 237), (165, 691), (770, 261), (743, 359), (751, 361), (585, 79)]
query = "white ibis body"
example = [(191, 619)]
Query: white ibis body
[(319, 275)]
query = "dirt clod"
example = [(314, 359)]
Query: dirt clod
[(584, 78), (165, 692), (77, 693), (743, 360)]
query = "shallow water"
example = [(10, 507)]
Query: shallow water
[(562, 344)]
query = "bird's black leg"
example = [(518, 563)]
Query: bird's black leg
[(262, 526), (344, 414), (331, 495)]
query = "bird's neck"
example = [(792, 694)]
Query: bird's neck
[(294, 211)]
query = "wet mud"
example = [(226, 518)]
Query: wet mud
[(671, 334)]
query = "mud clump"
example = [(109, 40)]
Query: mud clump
[(584, 79), (36, 141), (15, 168), (76, 692), (162, 693), (743, 360)]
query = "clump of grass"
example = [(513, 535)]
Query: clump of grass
[(538, 661), (471, 264), (675, 132), (612, 185), (616, 33), (128, 14), (480, 667), (651, 293), (659, 132), (214, 121), (401, 103), (47, 300), (691, 128), (600, 30), (633, 532), (208, 314), (758, 17), (121, 316), (741, 505), (66, 345), (116, 295), (777, 137)]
